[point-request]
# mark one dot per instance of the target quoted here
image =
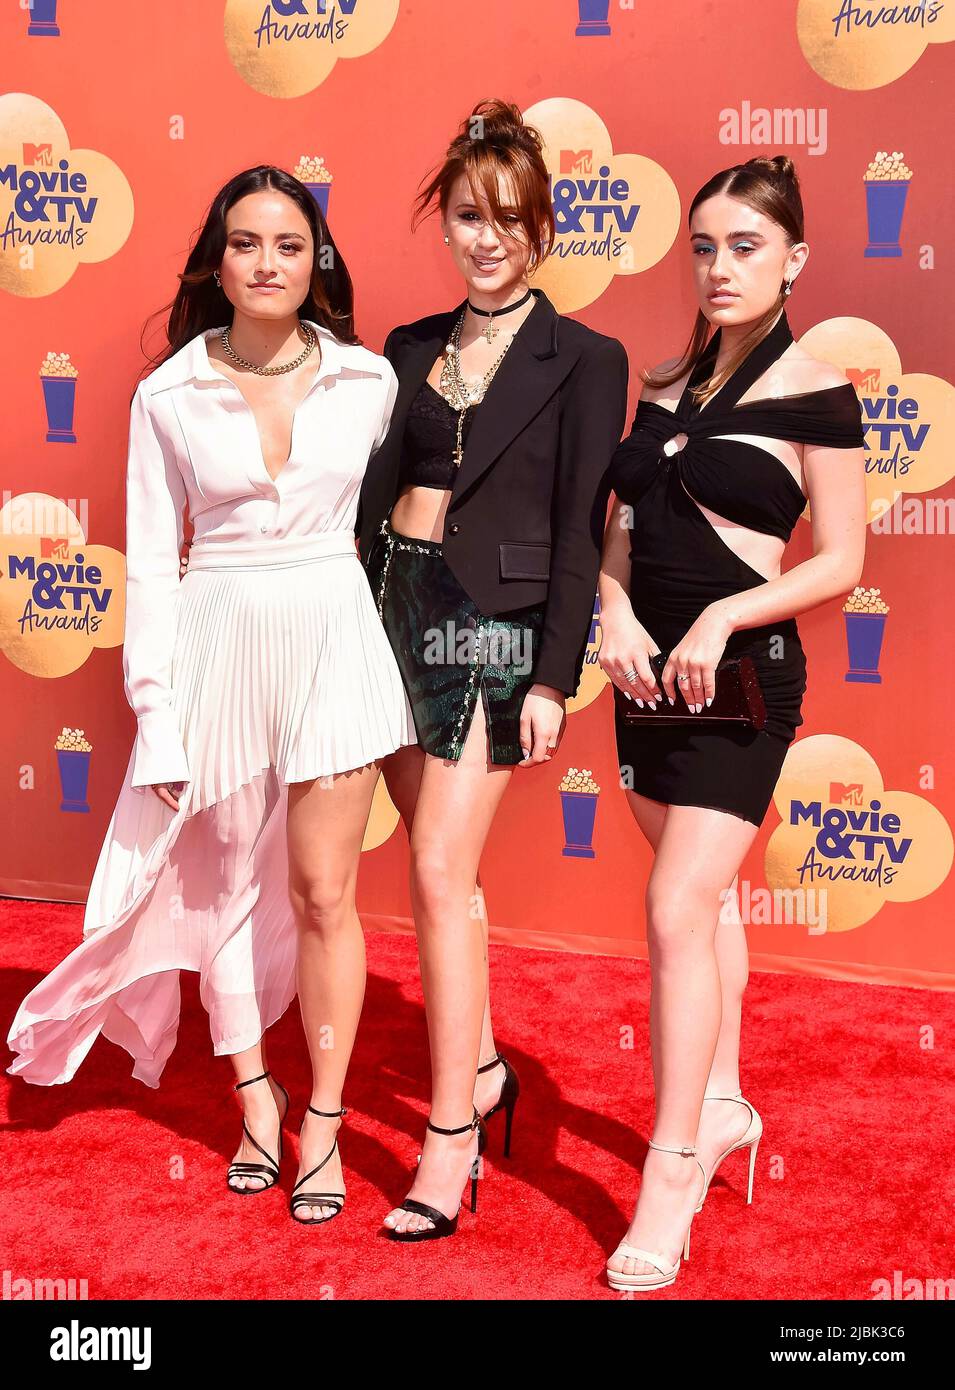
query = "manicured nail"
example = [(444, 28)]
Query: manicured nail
[(709, 699), (627, 696), (639, 701)]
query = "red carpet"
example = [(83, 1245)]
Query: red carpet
[(852, 1180)]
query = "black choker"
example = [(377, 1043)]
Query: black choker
[(490, 333)]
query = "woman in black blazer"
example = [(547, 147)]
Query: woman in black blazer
[(480, 525)]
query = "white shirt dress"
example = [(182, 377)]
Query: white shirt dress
[(265, 664)]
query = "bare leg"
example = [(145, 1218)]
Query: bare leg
[(724, 1121), (262, 1104), (402, 772), (487, 1086), (721, 1122), (456, 805), (326, 823), (698, 852)]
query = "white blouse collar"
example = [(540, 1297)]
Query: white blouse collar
[(192, 361)]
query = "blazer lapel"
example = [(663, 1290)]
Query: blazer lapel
[(535, 365), (416, 363), (412, 370)]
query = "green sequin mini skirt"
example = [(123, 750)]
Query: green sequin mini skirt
[(448, 651)]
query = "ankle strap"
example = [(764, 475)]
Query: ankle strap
[(492, 1063), (328, 1114), (462, 1129), (687, 1151), (240, 1084)]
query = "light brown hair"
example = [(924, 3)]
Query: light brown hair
[(771, 186)]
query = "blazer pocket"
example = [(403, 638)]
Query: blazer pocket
[(525, 559)]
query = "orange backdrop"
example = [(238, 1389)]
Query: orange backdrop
[(117, 124)]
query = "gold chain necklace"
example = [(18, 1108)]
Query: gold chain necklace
[(456, 391), (310, 341)]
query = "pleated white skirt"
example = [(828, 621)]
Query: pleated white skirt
[(282, 672)]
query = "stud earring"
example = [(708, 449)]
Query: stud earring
[(447, 241), (789, 288)]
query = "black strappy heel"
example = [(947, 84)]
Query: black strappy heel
[(443, 1225), (510, 1090), (318, 1199), (258, 1170)]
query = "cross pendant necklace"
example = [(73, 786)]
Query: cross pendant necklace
[(489, 332)]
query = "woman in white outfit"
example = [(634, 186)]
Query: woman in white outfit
[(264, 686)]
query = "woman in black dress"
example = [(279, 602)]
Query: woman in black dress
[(728, 444), (482, 517)]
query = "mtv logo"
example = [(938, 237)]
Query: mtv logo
[(845, 793), (866, 381), (54, 548), (576, 161), (38, 154)]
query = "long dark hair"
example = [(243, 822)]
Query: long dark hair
[(771, 186), (495, 139), (201, 304)]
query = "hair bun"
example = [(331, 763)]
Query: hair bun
[(501, 122), (779, 166)]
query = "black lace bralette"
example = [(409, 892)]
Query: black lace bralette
[(427, 450)]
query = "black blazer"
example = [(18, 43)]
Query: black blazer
[(529, 501)]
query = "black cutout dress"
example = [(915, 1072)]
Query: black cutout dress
[(679, 565)]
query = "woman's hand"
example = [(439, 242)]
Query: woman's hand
[(169, 792), (696, 655), (184, 559), (543, 719), (625, 649)]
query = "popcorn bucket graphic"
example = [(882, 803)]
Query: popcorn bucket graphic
[(593, 18), (311, 170), (59, 397), (886, 185), (865, 611), (320, 192), (885, 204), (864, 634), (74, 779), (43, 18), (580, 812), (73, 751), (578, 800)]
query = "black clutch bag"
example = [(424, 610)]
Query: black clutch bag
[(738, 698)]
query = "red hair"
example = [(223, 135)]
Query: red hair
[(495, 140)]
